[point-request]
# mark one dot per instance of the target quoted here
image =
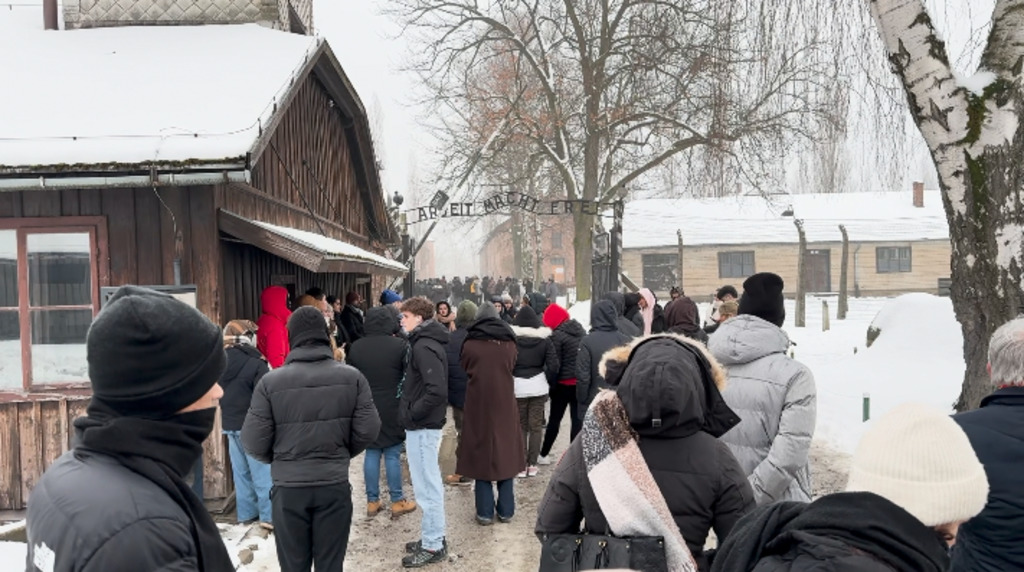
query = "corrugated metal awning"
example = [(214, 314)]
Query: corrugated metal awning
[(309, 250)]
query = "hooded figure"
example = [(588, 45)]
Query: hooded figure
[(491, 448), (118, 500), (382, 355), (623, 324), (566, 335), (914, 478), (603, 336), (272, 336), (670, 394), (649, 314), (539, 302), (632, 308), (682, 317), (775, 397)]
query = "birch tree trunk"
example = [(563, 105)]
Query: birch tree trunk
[(976, 145)]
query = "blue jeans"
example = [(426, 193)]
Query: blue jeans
[(252, 482), (422, 447), (485, 499), (392, 467)]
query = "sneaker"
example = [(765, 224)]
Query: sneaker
[(532, 471), (521, 475), (415, 545), (504, 520), (372, 508), (457, 480), (267, 526), (544, 461), (402, 507), (484, 521), (423, 557)]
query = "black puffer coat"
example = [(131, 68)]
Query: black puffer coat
[(382, 355), (309, 418), (457, 378), (125, 522), (991, 541), (843, 532), (566, 335), (425, 391), (603, 336), (702, 483), (246, 367)]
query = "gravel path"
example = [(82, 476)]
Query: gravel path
[(377, 544)]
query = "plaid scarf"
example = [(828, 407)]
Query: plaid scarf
[(629, 497)]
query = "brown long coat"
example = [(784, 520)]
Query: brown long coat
[(491, 446)]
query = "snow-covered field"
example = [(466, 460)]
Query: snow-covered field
[(917, 357)]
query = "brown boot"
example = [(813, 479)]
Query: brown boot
[(402, 507), (372, 508), (457, 480)]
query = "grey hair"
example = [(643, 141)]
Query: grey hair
[(1006, 354)]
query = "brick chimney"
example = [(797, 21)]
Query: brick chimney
[(919, 194)]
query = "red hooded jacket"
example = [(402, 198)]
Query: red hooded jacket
[(272, 335)]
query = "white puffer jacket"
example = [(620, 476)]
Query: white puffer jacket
[(776, 399)]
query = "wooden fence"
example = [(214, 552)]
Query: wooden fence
[(34, 433)]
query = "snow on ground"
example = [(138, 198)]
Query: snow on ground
[(917, 357), (12, 556), (580, 312)]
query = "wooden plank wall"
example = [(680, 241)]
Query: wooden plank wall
[(141, 238), (309, 160), (32, 436)]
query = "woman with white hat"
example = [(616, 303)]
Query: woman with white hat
[(914, 480)]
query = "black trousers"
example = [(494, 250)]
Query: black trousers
[(312, 524), (562, 397)]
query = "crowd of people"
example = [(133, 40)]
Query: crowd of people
[(677, 429), (480, 290)]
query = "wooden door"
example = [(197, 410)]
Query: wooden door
[(819, 270)]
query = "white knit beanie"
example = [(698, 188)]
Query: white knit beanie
[(918, 457)]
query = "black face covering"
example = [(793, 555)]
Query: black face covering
[(163, 451)]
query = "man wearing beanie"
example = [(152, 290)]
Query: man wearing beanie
[(773, 394), (118, 500), (914, 480), (308, 418), (991, 541)]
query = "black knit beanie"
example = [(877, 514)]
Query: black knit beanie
[(307, 325), (151, 355), (762, 297), (527, 318)]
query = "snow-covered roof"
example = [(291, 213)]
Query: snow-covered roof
[(139, 94), (332, 247), (749, 219)]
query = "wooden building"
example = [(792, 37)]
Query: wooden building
[(226, 157), (899, 242)]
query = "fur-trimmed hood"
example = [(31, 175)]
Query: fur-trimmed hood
[(669, 386), (613, 363), (523, 332)]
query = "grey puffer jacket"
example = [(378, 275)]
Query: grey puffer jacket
[(776, 399)]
